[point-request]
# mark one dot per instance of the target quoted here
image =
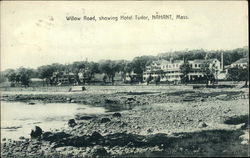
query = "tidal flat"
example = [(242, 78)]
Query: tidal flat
[(135, 121)]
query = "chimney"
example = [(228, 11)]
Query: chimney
[(171, 60), (206, 56), (222, 62)]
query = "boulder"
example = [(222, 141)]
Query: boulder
[(105, 120), (202, 125), (117, 114), (98, 151), (96, 136), (72, 123), (108, 101), (149, 130), (36, 132), (77, 89), (54, 137), (46, 135), (84, 117), (130, 99)]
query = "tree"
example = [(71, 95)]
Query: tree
[(149, 78), (208, 71), (46, 72), (104, 79), (109, 68), (77, 66), (185, 69), (238, 73), (128, 68), (122, 67), (11, 76), (93, 69), (157, 80), (139, 64), (24, 76)]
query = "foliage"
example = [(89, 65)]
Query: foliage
[(230, 56), (109, 68), (185, 69), (139, 64), (51, 73), (21, 75), (157, 80), (238, 73), (208, 71), (148, 79)]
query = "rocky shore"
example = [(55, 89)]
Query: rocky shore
[(165, 123), (134, 97)]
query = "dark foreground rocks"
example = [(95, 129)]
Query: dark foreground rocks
[(155, 130), (72, 123), (123, 136), (204, 143), (36, 132)]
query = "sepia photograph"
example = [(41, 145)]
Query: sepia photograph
[(87, 79)]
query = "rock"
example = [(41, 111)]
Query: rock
[(188, 99), (31, 103), (73, 101), (108, 101), (105, 120), (68, 99), (96, 135), (149, 130), (4, 139), (72, 123), (117, 114), (22, 138), (77, 89), (36, 132), (244, 126), (46, 135), (54, 137), (98, 151), (84, 117), (202, 125), (131, 99), (244, 142)]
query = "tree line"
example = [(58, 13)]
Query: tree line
[(50, 73)]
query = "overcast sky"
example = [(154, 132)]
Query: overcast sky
[(37, 33)]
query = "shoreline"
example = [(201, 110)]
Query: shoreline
[(157, 124)]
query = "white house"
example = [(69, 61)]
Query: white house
[(170, 70)]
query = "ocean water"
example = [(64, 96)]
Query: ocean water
[(17, 118)]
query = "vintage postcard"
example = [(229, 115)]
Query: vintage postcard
[(124, 78)]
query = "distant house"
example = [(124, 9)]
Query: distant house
[(63, 77), (130, 77), (243, 62)]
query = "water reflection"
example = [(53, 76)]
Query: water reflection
[(17, 119)]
